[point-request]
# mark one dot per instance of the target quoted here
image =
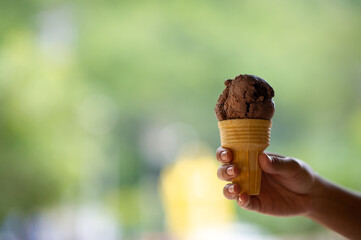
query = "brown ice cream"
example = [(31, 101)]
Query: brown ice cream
[(246, 96)]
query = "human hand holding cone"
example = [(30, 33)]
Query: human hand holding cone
[(244, 111)]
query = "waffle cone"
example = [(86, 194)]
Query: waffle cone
[(247, 138)]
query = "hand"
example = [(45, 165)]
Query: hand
[(287, 184)]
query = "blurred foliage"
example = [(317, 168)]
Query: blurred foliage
[(151, 63)]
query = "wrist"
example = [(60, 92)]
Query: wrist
[(317, 195), (336, 208)]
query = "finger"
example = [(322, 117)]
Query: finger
[(231, 191), (249, 202), (277, 165), (224, 155), (227, 172)]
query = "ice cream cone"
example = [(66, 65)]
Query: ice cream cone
[(247, 138)]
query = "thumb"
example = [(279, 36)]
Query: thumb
[(278, 165)]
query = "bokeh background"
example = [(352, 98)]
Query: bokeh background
[(107, 125)]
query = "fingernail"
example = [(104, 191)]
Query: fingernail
[(231, 189), (230, 171), (240, 199), (224, 156)]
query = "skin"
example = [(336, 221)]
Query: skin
[(290, 187)]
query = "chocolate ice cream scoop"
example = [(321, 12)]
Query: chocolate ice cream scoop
[(246, 97)]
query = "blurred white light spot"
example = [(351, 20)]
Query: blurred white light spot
[(56, 30), (94, 224), (161, 144), (87, 222), (234, 231)]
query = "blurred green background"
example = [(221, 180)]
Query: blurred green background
[(96, 97)]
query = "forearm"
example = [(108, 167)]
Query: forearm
[(336, 208)]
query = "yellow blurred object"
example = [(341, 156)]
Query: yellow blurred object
[(247, 138), (192, 195)]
